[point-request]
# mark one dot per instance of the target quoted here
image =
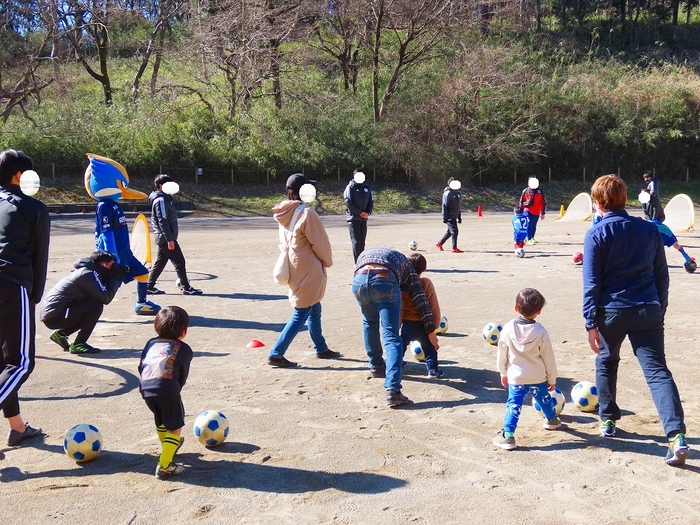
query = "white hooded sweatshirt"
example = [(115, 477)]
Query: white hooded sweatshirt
[(525, 354)]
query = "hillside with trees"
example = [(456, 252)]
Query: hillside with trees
[(411, 90)]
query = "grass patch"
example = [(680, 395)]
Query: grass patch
[(226, 200)]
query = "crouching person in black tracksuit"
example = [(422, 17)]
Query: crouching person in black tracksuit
[(75, 303)]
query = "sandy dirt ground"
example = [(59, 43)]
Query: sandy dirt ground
[(317, 444)]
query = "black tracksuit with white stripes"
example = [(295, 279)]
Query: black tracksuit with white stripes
[(24, 254)]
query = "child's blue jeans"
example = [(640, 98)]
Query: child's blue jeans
[(516, 396)]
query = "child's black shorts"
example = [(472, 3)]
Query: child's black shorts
[(168, 411)]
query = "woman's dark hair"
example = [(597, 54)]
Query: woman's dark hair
[(171, 321)]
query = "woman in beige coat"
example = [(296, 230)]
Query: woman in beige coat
[(309, 255)]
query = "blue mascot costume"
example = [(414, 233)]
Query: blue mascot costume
[(107, 182)]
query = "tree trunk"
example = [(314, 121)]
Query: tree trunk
[(160, 49), (379, 18)]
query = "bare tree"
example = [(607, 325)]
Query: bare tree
[(477, 113), (84, 24), (405, 33), (22, 56), (162, 15), (339, 31)]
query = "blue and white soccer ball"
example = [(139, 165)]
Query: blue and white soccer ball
[(492, 333), (443, 326), (416, 351), (519, 252), (82, 443), (211, 428), (413, 245), (584, 396), (178, 284), (557, 398)]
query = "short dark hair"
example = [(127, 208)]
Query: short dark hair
[(171, 321), (529, 301), (418, 262), (12, 161), (100, 256), (648, 174), (161, 179)]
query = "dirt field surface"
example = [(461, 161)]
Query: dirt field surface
[(317, 444)]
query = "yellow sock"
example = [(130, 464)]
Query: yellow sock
[(171, 442), (161, 432)]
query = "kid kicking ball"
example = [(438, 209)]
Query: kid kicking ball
[(82, 443), (443, 326), (558, 401), (584, 396), (492, 333), (211, 428), (416, 351), (413, 245)]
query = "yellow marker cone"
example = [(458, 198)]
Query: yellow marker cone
[(561, 211)]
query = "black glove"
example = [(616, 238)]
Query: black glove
[(119, 271)]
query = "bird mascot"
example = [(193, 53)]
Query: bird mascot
[(106, 181)]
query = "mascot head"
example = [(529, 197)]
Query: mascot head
[(107, 179)]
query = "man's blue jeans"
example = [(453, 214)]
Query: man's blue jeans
[(644, 325), (379, 297), (301, 317)]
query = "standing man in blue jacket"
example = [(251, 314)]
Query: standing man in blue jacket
[(165, 230), (625, 294), (359, 201), (24, 255)]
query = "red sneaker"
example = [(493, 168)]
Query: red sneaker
[(456, 250), (439, 246)]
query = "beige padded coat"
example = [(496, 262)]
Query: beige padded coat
[(310, 254)]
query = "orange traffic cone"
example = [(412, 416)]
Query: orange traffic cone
[(478, 211)]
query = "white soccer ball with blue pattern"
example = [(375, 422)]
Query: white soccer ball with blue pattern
[(416, 351), (211, 428), (82, 443), (584, 396), (443, 326), (413, 245), (557, 398), (492, 333)]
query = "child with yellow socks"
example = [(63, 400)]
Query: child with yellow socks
[(164, 366)]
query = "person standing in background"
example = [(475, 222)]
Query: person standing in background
[(532, 201), (24, 253), (451, 213), (653, 211), (359, 201)]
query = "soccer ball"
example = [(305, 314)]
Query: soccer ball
[(178, 284), (416, 351), (584, 396), (577, 258), (82, 443), (492, 333), (519, 252), (690, 266), (558, 401), (443, 326), (413, 245), (211, 428)]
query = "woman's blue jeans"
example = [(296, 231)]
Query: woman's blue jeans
[(379, 297), (644, 325), (301, 317)]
